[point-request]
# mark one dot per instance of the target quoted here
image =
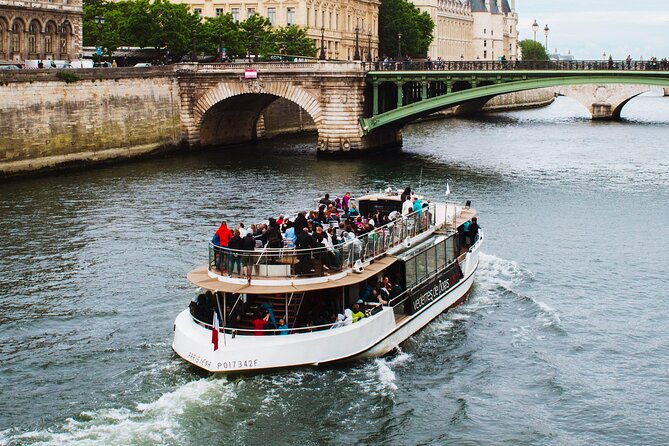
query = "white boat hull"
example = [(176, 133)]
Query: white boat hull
[(370, 337)]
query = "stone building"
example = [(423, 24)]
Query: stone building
[(472, 29), (40, 29), (337, 20)]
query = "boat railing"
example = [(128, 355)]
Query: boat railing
[(292, 262), (233, 331)]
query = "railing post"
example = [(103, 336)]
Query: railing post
[(375, 98), (400, 85), (423, 92)]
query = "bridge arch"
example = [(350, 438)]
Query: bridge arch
[(631, 85), (227, 113)]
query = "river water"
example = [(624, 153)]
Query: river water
[(564, 339)]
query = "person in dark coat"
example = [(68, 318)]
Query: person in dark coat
[(473, 230), (304, 241), (235, 245), (300, 223), (248, 244)]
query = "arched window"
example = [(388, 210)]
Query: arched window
[(2, 37), (17, 29), (48, 39), (64, 38), (32, 38)]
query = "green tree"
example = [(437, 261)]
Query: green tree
[(256, 36), (293, 40), (104, 25), (221, 31), (532, 50), (401, 16)]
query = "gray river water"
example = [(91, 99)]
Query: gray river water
[(564, 339)]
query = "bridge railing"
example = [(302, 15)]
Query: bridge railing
[(479, 65)]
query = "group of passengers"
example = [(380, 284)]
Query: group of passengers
[(334, 223)]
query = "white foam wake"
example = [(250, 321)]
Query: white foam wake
[(148, 423)]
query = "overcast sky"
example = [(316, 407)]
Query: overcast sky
[(588, 28)]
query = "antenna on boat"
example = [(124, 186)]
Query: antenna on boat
[(420, 182)]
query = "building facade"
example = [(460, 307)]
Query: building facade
[(335, 20), (472, 29), (40, 29)]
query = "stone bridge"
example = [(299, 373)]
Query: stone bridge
[(51, 118)]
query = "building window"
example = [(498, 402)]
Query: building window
[(197, 11), (330, 20), (235, 14), (485, 30), (290, 16), (337, 22), (16, 38), (271, 16), (250, 12), (308, 16), (323, 18), (485, 44), (485, 54), (219, 12), (32, 39), (48, 39)]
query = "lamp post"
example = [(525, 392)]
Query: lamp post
[(99, 21), (321, 56), (546, 31), (356, 55), (369, 45), (535, 28), (399, 47)]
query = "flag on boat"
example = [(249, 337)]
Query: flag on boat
[(214, 332), (448, 189)]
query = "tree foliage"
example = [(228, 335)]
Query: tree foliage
[(162, 25), (402, 17), (532, 50)]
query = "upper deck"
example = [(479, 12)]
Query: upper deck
[(351, 260)]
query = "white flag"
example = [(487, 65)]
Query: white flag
[(448, 189)]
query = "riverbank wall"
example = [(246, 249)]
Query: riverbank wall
[(49, 120)]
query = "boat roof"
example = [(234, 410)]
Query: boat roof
[(200, 277), (385, 196)]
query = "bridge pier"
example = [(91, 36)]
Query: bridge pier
[(604, 101)]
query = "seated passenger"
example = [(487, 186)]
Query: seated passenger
[(348, 317), (283, 327), (259, 323), (357, 314), (339, 322), (353, 211), (289, 235)]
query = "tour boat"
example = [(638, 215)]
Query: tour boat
[(426, 262)]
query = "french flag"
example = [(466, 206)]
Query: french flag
[(214, 332)]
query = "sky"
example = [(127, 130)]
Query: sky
[(590, 28)]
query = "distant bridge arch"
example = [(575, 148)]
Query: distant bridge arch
[(606, 95)]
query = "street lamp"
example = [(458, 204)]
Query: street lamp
[(546, 31), (356, 55), (99, 21), (321, 56), (535, 28), (399, 47), (369, 45)]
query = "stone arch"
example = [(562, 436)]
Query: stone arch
[(603, 101), (228, 112)]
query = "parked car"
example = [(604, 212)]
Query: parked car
[(10, 67), (142, 65)]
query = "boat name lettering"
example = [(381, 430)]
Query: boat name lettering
[(430, 295), (238, 364), (199, 360)]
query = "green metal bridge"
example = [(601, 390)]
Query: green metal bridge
[(400, 95)]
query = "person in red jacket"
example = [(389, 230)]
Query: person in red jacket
[(224, 235)]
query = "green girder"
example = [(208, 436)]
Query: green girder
[(505, 82)]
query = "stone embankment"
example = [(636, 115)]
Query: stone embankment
[(99, 115)]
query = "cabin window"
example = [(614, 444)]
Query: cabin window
[(410, 270), (432, 260), (441, 254), (421, 266)]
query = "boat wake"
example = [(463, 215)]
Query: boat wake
[(156, 422)]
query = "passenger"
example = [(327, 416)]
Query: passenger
[(474, 230), (300, 223), (344, 202), (289, 235), (272, 237), (417, 206), (235, 258), (353, 211), (325, 200), (224, 235), (339, 322), (304, 241), (259, 323), (242, 230), (270, 311), (357, 314), (348, 317), (407, 205), (283, 327), (280, 220), (337, 204), (405, 194)]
